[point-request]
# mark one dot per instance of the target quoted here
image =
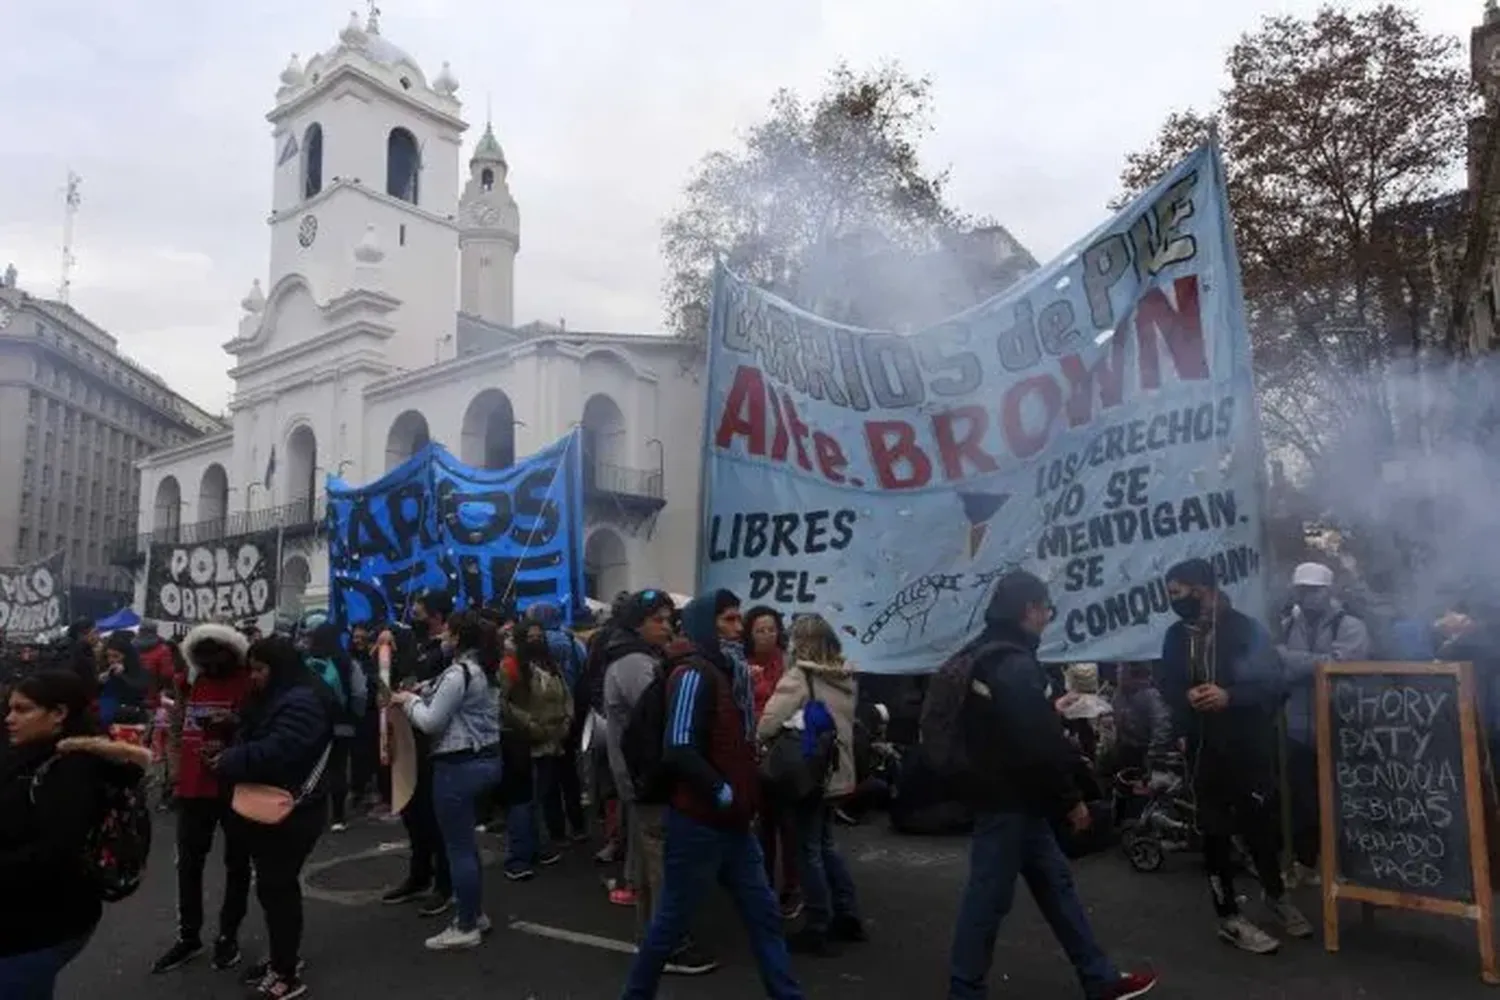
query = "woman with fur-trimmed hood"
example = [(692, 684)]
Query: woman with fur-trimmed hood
[(218, 683)]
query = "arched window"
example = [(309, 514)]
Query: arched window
[(312, 160), (487, 179), (403, 165)]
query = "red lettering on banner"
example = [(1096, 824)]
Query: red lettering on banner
[(894, 443), (831, 458), (904, 455), (1108, 373), (1024, 443), (744, 412), (954, 450), (1181, 327)]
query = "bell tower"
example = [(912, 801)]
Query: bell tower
[(490, 236), (366, 147)]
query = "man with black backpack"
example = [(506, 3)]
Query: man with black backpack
[(708, 766), (991, 728)]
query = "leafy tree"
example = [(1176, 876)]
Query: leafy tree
[(1339, 133), (820, 197)]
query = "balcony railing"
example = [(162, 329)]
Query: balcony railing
[(621, 481), (297, 518), (601, 481)]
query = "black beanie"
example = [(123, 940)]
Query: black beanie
[(1013, 594)]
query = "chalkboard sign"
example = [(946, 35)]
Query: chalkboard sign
[(1399, 768), (1398, 784)]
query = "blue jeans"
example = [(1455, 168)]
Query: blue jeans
[(827, 887), (456, 784), (694, 858), (525, 833), (1007, 844), (32, 975)]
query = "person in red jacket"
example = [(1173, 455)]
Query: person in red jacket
[(218, 682), (158, 662), (765, 647)]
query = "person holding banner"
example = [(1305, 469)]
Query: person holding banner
[(428, 878)]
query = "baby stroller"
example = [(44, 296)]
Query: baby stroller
[(1157, 816)]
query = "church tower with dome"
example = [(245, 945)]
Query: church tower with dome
[(366, 154), (385, 319)]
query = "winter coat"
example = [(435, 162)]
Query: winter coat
[(45, 822), (1335, 636), (835, 685), (1021, 757), (1240, 740), (541, 712), (282, 737)]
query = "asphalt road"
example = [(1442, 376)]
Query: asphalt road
[(559, 938)]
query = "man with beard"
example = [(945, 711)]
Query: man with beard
[(1221, 678), (428, 876)]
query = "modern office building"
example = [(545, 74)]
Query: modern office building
[(75, 417)]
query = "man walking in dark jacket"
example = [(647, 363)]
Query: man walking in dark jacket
[(1221, 677), (1022, 785), (709, 839)]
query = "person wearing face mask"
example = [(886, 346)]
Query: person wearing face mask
[(428, 878), (1221, 678), (1318, 629)]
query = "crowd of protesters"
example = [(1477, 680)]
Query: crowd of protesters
[(719, 745)]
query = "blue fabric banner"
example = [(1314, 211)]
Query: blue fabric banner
[(1094, 423), (433, 523)]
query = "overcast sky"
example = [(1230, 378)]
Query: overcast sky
[(160, 105)]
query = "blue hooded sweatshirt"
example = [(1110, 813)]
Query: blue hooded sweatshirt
[(567, 652), (699, 624)]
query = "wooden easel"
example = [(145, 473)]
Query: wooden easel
[(1335, 888)]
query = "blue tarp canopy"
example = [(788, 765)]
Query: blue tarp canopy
[(124, 618)]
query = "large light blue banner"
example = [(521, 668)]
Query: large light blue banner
[(1094, 424), (433, 523)]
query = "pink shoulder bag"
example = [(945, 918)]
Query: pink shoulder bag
[(270, 805)]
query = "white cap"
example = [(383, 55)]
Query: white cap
[(1312, 574)]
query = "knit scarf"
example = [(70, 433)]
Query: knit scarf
[(744, 697)]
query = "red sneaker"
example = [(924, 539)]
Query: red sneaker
[(1131, 984), (623, 896)]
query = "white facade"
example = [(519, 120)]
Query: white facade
[(347, 358)]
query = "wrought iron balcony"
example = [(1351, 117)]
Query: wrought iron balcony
[(296, 519), (641, 488)]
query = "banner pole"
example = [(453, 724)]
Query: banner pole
[(716, 306), (280, 557)]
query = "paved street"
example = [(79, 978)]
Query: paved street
[(563, 941)]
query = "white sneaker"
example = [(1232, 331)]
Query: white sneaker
[(338, 827), (453, 939), (483, 924), (1246, 936)]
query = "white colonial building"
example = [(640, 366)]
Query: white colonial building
[(386, 319)]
